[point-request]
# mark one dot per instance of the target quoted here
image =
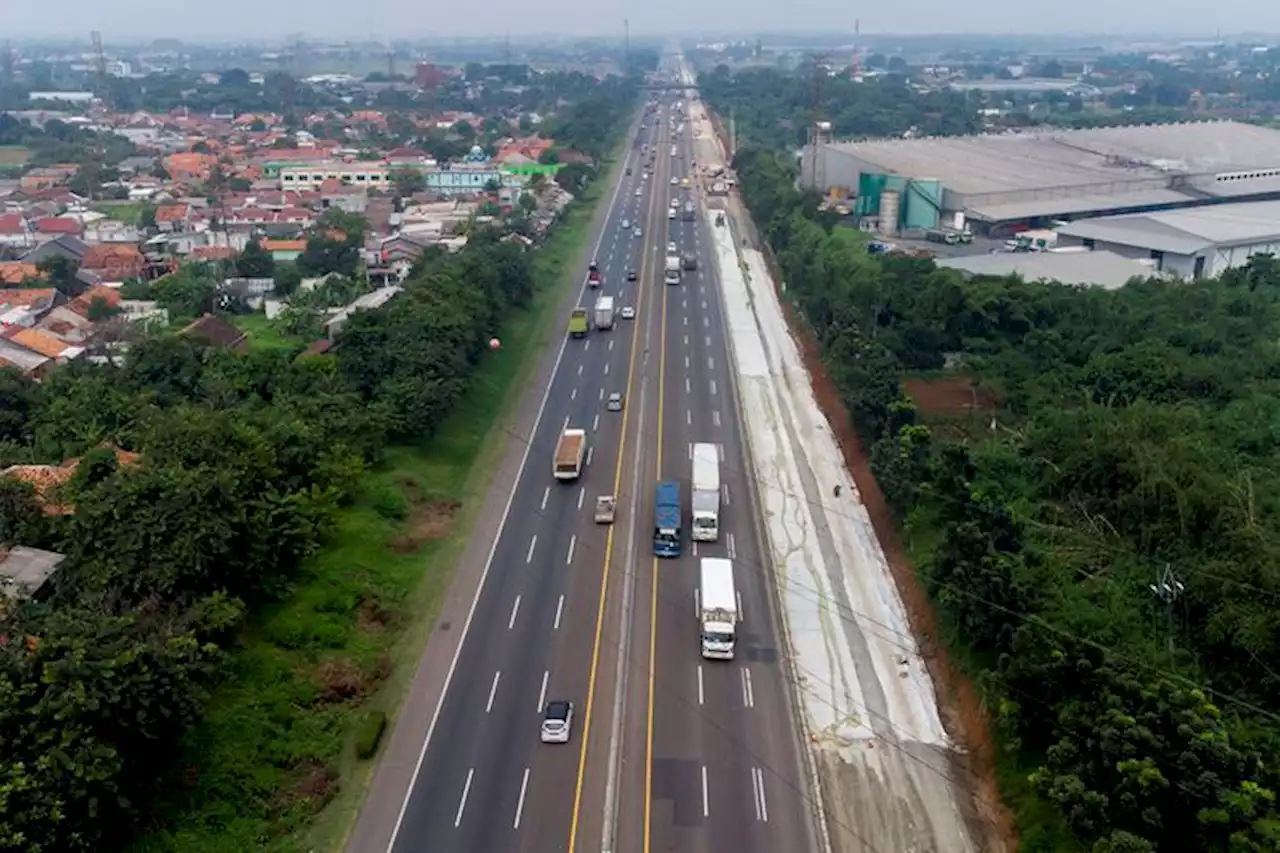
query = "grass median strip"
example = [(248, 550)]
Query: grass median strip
[(273, 767)]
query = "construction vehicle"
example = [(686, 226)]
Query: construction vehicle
[(570, 450)]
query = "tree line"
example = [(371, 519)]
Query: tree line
[(233, 466), (1101, 537)]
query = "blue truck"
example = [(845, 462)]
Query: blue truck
[(666, 520)]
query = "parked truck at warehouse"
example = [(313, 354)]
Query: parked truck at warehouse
[(706, 493), (672, 272), (716, 600), (570, 450)]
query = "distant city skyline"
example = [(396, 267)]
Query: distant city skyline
[(132, 20)]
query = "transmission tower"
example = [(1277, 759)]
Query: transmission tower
[(626, 47), (7, 63), (1168, 589), (506, 49), (100, 67), (817, 127)]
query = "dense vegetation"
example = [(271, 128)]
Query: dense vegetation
[(242, 461), (1102, 543), (775, 108)]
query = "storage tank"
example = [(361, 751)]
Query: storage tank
[(888, 214)]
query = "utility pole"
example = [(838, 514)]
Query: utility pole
[(1168, 589)]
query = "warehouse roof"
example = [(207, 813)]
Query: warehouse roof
[(1104, 269), (1186, 231), (1065, 158)]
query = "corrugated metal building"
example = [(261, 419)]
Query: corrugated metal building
[(1000, 184)]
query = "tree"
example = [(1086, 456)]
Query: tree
[(60, 271), (408, 181), (287, 278), (255, 261), (234, 78)]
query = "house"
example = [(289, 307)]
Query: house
[(24, 570), (367, 302), (56, 226), (40, 341), (190, 166), (249, 291), (114, 262), (13, 273), (173, 217), (46, 480), (15, 231), (25, 306), (211, 329), (402, 249), (64, 246), (285, 250), (23, 360), (73, 322)]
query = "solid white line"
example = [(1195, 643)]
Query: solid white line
[(542, 694), (462, 804), (582, 493), (573, 540), (493, 691), (700, 696), (559, 609), (515, 608), (545, 494), (524, 785), (748, 692), (706, 803), (528, 558)]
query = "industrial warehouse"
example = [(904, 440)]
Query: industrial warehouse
[(998, 185)]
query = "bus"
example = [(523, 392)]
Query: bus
[(666, 520)]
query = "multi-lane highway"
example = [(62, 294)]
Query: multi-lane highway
[(669, 752)]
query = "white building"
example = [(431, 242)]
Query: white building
[(1190, 242)]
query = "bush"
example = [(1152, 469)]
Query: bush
[(369, 734)]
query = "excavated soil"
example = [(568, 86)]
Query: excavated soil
[(959, 704), (948, 396)]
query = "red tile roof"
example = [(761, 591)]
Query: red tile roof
[(59, 225)]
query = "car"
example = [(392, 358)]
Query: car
[(636, 232), (639, 192), (671, 249), (627, 312), (626, 223), (631, 275), (628, 170), (614, 402), (557, 721), (671, 213), (606, 508), (674, 180)]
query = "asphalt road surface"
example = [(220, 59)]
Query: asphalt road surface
[(669, 752)]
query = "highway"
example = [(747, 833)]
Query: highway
[(714, 741), (669, 752)]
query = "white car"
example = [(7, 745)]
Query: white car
[(626, 223), (639, 192), (627, 312), (674, 180), (557, 721), (637, 232), (671, 213)]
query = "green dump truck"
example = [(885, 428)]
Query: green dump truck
[(578, 322)]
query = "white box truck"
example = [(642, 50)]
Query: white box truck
[(717, 602), (672, 273), (604, 312), (706, 493)]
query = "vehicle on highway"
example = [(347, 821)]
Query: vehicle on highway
[(671, 213), (578, 322), (614, 403), (604, 313), (606, 507), (636, 232), (626, 223), (674, 179), (717, 604), (627, 312), (593, 275), (687, 213), (720, 218), (666, 519), (671, 274), (705, 499), (631, 275), (689, 262), (570, 450), (639, 192), (628, 170), (673, 151), (671, 248), (557, 721)]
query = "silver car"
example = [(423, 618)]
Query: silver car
[(614, 403), (557, 722)]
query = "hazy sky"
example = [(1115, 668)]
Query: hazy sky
[(130, 20)]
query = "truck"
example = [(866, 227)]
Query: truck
[(671, 275), (666, 519), (687, 213), (604, 312), (706, 493), (570, 450), (716, 601), (578, 323)]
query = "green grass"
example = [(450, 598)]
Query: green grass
[(264, 333), (128, 212), (14, 155), (273, 766)]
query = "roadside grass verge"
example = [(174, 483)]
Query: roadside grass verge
[(273, 765)]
